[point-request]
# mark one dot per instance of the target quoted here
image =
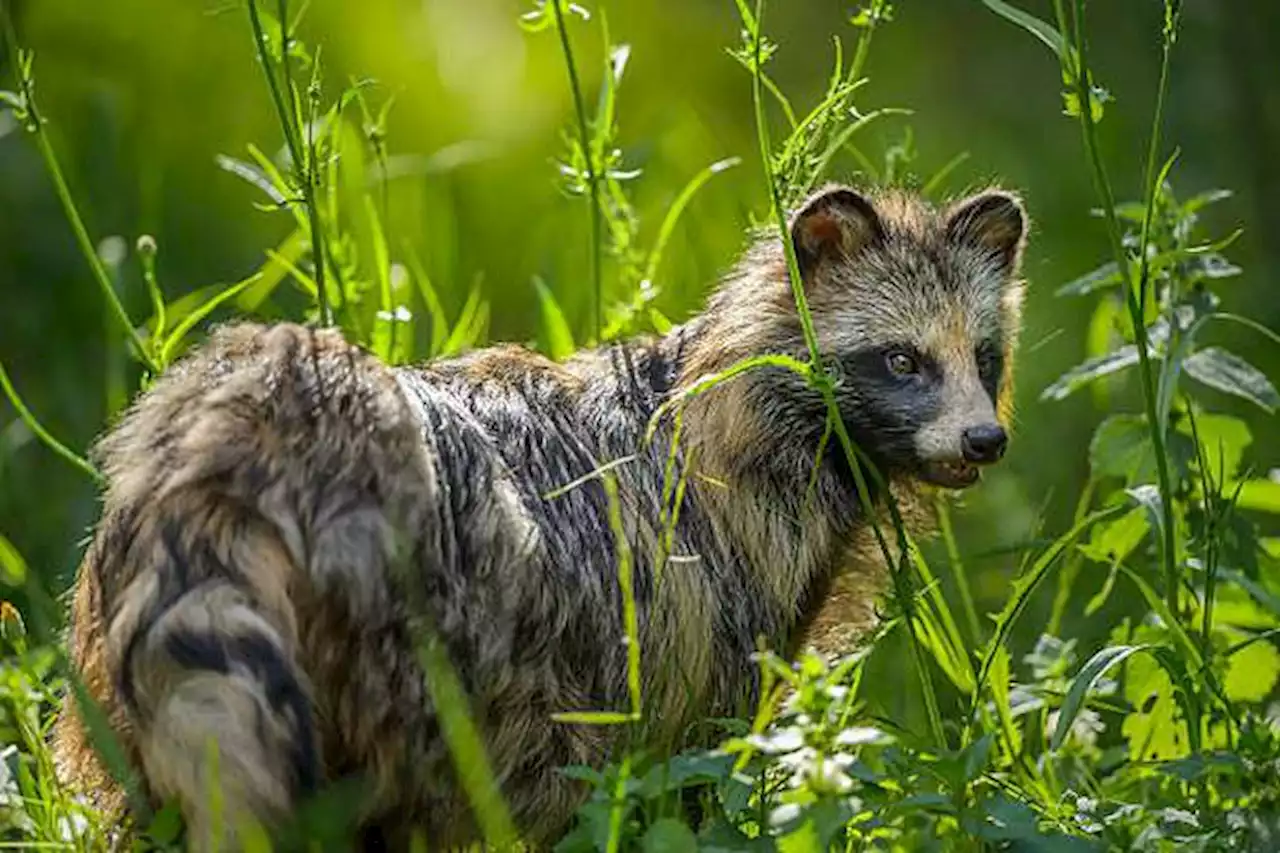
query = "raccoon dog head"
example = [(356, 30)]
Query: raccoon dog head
[(918, 309)]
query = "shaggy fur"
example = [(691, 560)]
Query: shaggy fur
[(288, 519)]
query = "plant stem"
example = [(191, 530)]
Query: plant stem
[(35, 123), (303, 160), (588, 153), (41, 433), (864, 40), (1103, 186), (1153, 147)]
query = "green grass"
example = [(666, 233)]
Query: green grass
[(1160, 737)]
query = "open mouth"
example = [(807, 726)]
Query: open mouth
[(950, 475)]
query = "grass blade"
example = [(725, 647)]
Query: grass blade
[(1084, 682)]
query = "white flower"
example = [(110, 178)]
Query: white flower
[(859, 735)]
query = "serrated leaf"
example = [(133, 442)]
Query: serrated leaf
[(1231, 374), (1083, 683), (1155, 729), (13, 568), (1090, 371)]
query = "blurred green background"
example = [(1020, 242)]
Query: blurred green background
[(141, 95)]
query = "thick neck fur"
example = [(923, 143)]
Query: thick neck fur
[(760, 532)]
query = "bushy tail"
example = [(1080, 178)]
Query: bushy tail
[(200, 653), (271, 470)]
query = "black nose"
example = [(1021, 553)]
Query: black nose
[(983, 444)]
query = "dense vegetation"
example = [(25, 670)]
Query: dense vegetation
[(1119, 695)]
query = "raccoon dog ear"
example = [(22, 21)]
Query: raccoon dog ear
[(834, 223), (992, 220)]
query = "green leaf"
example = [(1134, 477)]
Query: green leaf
[(1231, 374), (998, 683), (560, 343), (1261, 495), (668, 835), (1045, 33), (13, 569), (13, 101), (685, 771), (674, 212), (1083, 683), (273, 271), (1204, 199), (1121, 447), (1154, 729), (1252, 672), (166, 826), (465, 331), (819, 825), (1093, 369), (253, 176), (723, 837), (189, 322), (1100, 598), (977, 756), (1147, 496), (431, 299), (1116, 540)]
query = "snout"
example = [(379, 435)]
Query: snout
[(966, 437), (983, 444), (954, 458)]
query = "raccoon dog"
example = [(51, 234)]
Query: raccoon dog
[(288, 522)]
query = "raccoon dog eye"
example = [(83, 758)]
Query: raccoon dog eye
[(902, 364)]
